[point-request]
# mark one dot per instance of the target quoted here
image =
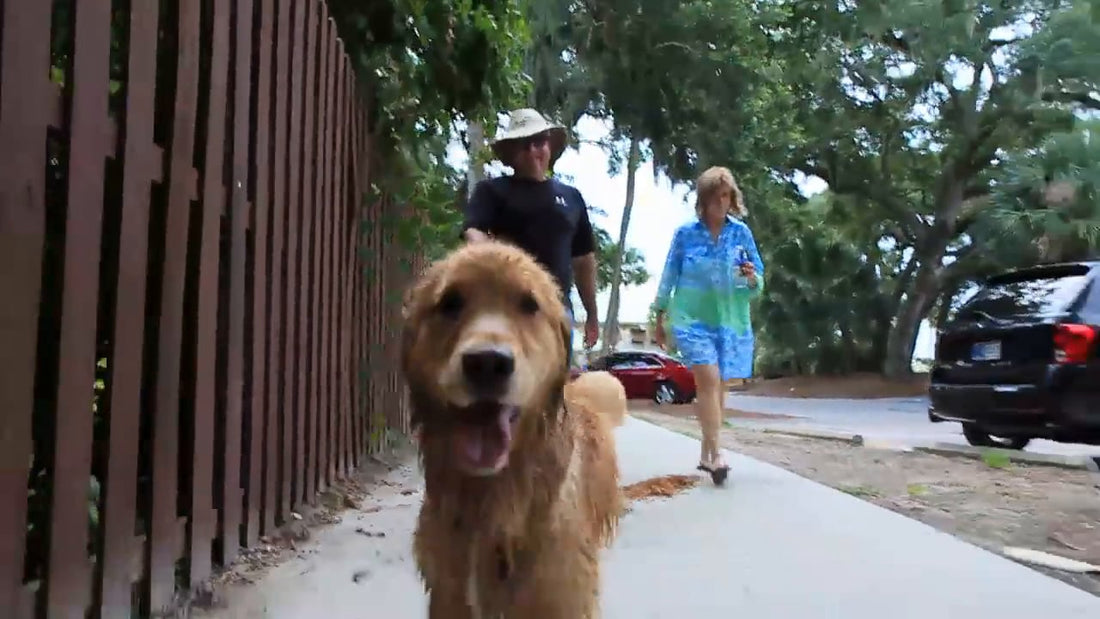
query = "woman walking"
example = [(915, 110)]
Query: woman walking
[(712, 271)]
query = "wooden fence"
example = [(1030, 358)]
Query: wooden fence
[(195, 333)]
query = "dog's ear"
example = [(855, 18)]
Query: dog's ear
[(409, 328), (416, 301), (558, 380), (566, 331)]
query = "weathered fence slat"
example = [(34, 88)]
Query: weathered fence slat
[(358, 332), (338, 227), (323, 209), (202, 519), (231, 492), (165, 529), (68, 587), (350, 236), (142, 164), (333, 224), (24, 116), (374, 279), (306, 439), (309, 194), (278, 408), (259, 412), (292, 412)]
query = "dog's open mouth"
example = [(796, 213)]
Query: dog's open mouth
[(483, 437)]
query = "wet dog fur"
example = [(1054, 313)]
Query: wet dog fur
[(600, 393), (522, 483)]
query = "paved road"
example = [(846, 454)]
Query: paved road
[(772, 544), (897, 420)]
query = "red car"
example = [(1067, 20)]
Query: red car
[(649, 375)]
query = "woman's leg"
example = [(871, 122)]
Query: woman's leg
[(707, 393), (734, 361), (699, 348), (719, 416)]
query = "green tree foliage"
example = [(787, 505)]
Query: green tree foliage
[(423, 66), (827, 308), (949, 135), (909, 111), (1047, 203), (676, 74), (634, 272), (670, 75)]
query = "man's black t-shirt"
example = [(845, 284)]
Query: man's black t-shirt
[(548, 219)]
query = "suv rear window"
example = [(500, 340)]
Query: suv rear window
[(1032, 292)]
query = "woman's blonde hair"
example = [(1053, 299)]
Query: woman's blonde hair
[(708, 184)]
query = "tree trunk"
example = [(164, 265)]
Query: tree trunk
[(947, 298), (921, 295), (850, 354), (928, 281), (611, 323), (475, 171)]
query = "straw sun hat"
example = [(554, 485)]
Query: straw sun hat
[(525, 123)]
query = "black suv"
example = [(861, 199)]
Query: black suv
[(1020, 359)]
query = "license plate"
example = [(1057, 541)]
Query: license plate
[(986, 351)]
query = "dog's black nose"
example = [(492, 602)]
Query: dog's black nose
[(487, 371)]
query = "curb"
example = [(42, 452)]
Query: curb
[(840, 437), (1037, 459), (1091, 464)]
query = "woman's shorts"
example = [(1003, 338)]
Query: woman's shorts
[(729, 349)]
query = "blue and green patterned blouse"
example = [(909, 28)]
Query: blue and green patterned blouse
[(700, 285)]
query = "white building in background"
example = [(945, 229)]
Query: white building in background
[(632, 336)]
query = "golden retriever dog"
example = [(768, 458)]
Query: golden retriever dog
[(522, 483), (600, 393)]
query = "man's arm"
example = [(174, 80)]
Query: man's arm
[(584, 261), (584, 270), (480, 214)]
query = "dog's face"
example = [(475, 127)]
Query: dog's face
[(483, 354)]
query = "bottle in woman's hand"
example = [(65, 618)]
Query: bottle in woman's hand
[(740, 275)]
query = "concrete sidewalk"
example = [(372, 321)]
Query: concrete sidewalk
[(771, 544)]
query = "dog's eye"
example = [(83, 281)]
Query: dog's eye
[(528, 304), (450, 304)]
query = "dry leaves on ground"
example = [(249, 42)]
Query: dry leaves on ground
[(664, 486)]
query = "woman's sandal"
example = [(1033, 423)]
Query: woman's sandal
[(718, 475)]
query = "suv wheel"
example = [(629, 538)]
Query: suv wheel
[(978, 437), (666, 393)]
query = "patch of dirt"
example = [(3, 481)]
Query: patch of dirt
[(664, 486), (687, 411), (1045, 508), (290, 540), (854, 386)]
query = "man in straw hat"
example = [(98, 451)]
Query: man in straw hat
[(541, 215)]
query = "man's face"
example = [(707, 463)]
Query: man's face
[(531, 156)]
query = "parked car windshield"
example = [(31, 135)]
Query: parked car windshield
[(1037, 293)]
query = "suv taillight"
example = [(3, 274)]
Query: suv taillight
[(1073, 343)]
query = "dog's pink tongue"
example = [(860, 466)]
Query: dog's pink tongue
[(485, 446)]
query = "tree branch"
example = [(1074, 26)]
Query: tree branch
[(1087, 100), (683, 46), (909, 227), (994, 44)]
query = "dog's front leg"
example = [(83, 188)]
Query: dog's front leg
[(448, 605)]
